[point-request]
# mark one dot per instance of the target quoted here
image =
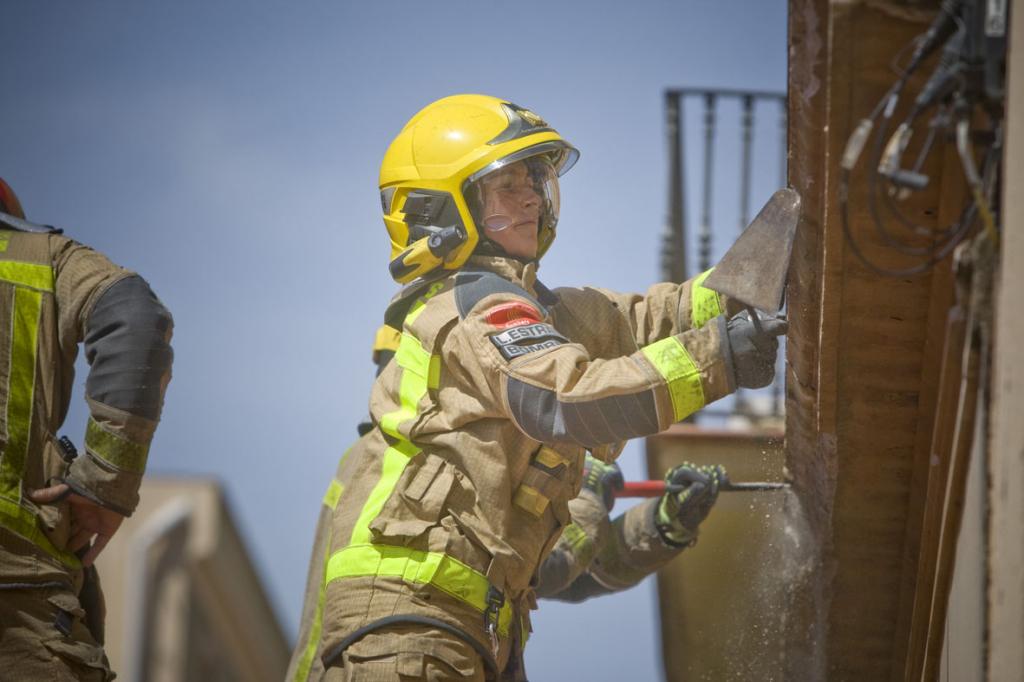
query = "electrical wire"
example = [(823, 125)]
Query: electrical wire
[(885, 176), (974, 180)]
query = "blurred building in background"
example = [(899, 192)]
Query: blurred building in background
[(184, 600)]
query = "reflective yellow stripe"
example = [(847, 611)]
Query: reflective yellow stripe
[(333, 494), (115, 450), (27, 274), (336, 488), (420, 370), (417, 567), (394, 461), (19, 520), (680, 372), (416, 373), (581, 545), (578, 540), (331, 498), (415, 364), (705, 304), (417, 307), (20, 394), (306, 662), (20, 389)]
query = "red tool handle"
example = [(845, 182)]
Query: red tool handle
[(658, 488), (641, 489)]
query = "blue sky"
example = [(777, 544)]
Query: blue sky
[(229, 152)]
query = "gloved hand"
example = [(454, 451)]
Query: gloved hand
[(681, 513), (602, 478), (753, 352)]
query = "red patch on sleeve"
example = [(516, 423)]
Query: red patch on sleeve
[(512, 315)]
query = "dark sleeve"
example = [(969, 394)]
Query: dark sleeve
[(634, 550), (127, 336), (581, 589), (127, 345)]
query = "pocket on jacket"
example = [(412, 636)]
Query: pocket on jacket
[(549, 483), (73, 644), (87, 661), (404, 653), (418, 501)]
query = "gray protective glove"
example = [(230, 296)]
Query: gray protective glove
[(603, 479), (680, 513), (753, 352)]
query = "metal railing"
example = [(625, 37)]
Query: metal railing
[(712, 129)]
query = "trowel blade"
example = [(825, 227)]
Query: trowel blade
[(754, 268)]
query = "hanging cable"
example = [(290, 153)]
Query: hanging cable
[(959, 84)]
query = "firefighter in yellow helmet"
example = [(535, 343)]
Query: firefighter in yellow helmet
[(59, 507), (595, 555), (498, 387)]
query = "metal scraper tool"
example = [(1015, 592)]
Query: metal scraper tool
[(753, 270)]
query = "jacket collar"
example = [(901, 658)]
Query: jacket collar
[(516, 271)]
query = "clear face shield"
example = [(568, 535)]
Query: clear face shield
[(515, 193), (520, 188)]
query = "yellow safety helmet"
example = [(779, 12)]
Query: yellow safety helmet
[(9, 203), (431, 167)]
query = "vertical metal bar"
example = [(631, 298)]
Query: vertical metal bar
[(746, 127), (681, 184), (705, 213), (673, 254)]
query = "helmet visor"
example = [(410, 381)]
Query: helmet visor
[(514, 191)]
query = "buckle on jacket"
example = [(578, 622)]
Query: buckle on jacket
[(67, 450), (495, 600)]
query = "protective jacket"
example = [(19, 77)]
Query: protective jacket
[(480, 426), (596, 556), (55, 294)]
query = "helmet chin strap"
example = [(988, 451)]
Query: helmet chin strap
[(488, 247)]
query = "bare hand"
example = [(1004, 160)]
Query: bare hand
[(88, 519)]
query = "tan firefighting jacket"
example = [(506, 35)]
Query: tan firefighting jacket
[(54, 295), (496, 389), (596, 555)]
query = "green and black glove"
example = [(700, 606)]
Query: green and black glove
[(602, 478), (681, 513)]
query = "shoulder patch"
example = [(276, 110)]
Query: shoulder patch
[(525, 339), (513, 314), (472, 286)]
